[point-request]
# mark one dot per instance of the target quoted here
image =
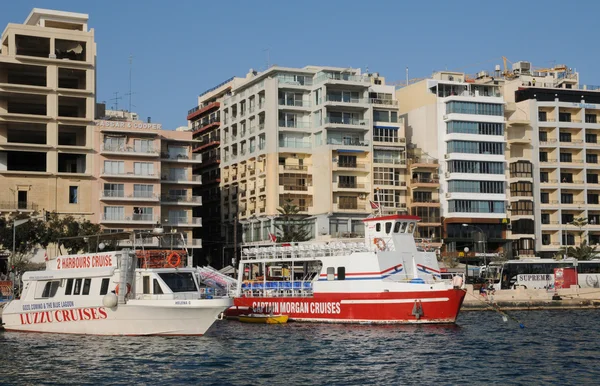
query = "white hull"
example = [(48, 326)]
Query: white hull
[(137, 317)]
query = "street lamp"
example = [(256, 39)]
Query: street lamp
[(484, 240)]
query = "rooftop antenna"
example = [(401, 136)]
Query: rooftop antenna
[(117, 98), (130, 93)]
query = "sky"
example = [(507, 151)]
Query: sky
[(181, 48)]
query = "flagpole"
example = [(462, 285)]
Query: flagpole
[(377, 201)]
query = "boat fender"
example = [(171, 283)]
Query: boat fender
[(417, 309), (173, 260), (110, 300), (128, 289), (380, 243)]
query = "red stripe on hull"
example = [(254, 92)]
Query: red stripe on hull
[(385, 307)]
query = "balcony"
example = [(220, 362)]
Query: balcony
[(205, 125), (293, 103), (349, 207), (195, 180), (425, 202), (294, 124), (183, 221), (296, 188), (384, 102), (349, 186), (128, 175), (181, 200), (361, 166), (335, 100), (147, 219), (427, 163), (347, 142), (425, 182), (293, 168), (128, 151), (18, 206), (341, 78), (181, 158), (199, 110), (119, 195), (344, 122)]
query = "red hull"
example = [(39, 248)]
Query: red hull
[(385, 307)]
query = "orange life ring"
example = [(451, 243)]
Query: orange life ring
[(380, 243), (128, 289), (175, 264)]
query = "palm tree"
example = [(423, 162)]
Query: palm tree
[(581, 252), (580, 222), (291, 225)]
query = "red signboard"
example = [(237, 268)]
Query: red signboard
[(565, 277), (6, 288)]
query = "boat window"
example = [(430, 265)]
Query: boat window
[(330, 273), (388, 227), (341, 273), (104, 286), (179, 282), (157, 290), (86, 286), (378, 227), (397, 227), (69, 287), (50, 289), (411, 227), (146, 284), (403, 227), (77, 289)]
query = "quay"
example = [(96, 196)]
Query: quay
[(532, 299)]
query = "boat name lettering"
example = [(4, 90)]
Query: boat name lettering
[(182, 302), (538, 277), (84, 262), (60, 316), (297, 307)]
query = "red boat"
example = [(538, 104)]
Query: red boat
[(384, 278)]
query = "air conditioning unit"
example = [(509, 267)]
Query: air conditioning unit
[(447, 174), (448, 195), (446, 156)]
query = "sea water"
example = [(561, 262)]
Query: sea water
[(555, 347)]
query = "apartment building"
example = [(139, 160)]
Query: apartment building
[(144, 179), (204, 120), (324, 139), (553, 125), (47, 96), (460, 123)]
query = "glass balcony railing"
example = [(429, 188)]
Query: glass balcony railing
[(346, 121)]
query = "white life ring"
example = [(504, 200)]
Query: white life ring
[(380, 243)]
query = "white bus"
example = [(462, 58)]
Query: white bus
[(539, 273)]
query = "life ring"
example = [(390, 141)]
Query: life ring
[(128, 289), (173, 256), (380, 243)]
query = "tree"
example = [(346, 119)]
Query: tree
[(291, 225), (580, 222), (581, 252)]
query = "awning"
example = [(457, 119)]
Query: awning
[(349, 151), (387, 127)]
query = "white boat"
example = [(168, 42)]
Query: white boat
[(108, 294)]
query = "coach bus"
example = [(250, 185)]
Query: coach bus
[(539, 273)]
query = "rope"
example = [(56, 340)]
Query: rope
[(495, 307)]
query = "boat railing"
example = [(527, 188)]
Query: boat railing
[(281, 251), (178, 296), (277, 288)]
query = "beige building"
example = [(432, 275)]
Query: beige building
[(144, 179), (324, 139), (47, 97)]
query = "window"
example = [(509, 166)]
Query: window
[(522, 208), (542, 116), (567, 218), (564, 117), (476, 206), (564, 137), (49, 290), (143, 145), (143, 168), (521, 189), (114, 143), (143, 191), (157, 290), (73, 194), (114, 213), (566, 178), (568, 239), (69, 287), (385, 134), (590, 118), (86, 286), (378, 227), (341, 273), (521, 169), (544, 177), (142, 213), (481, 128), (591, 138), (566, 157), (114, 190), (179, 282), (77, 289), (146, 284), (543, 136), (474, 108), (592, 198), (465, 186), (330, 273), (592, 178), (543, 156), (475, 147), (388, 227), (591, 158), (566, 198), (476, 167), (523, 227), (114, 167), (104, 286), (545, 239), (545, 197), (545, 218)]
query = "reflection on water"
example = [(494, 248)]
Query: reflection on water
[(556, 347)]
